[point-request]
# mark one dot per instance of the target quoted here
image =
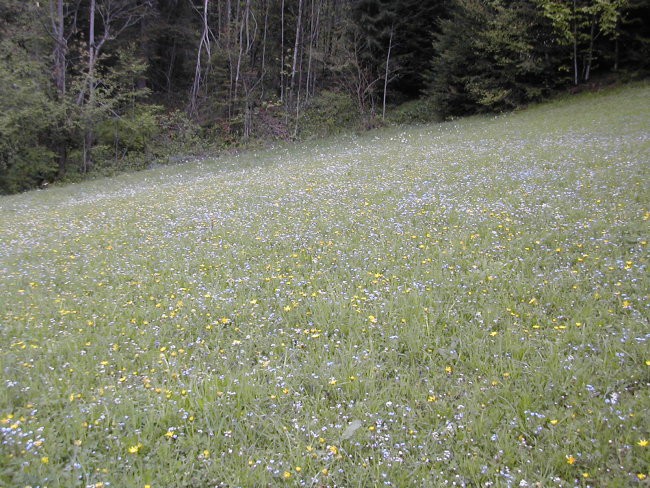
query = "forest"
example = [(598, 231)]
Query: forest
[(92, 87)]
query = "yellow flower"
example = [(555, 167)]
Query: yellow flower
[(570, 459), (554, 422), (641, 476), (45, 460), (643, 443), (206, 453), (286, 475), (372, 319), (135, 449), (448, 369)]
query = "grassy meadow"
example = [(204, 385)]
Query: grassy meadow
[(457, 304)]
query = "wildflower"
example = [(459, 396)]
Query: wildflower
[(554, 422), (372, 319), (135, 449), (45, 460), (206, 453), (432, 398), (570, 459), (286, 475), (448, 369), (641, 476), (585, 475), (642, 442)]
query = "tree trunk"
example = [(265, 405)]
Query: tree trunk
[(60, 46), (296, 47), (204, 45), (282, 94), (575, 44), (266, 27), (390, 47), (90, 103), (590, 52)]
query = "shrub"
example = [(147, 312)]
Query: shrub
[(328, 113)]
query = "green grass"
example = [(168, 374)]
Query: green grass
[(460, 304)]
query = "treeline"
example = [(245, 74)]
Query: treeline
[(92, 86)]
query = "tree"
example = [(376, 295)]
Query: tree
[(579, 24), (491, 56), (28, 118), (116, 16)]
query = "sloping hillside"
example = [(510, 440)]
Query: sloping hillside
[(463, 303)]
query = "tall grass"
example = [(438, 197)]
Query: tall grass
[(460, 304)]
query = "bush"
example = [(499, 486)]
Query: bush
[(329, 113), (419, 111)]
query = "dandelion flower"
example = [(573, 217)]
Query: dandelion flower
[(570, 459), (135, 449)]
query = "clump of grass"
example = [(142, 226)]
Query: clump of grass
[(456, 304)]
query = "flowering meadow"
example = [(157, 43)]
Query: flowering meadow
[(459, 304)]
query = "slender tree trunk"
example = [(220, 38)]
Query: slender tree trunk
[(282, 92), (204, 45), (59, 69), (390, 47), (266, 26), (312, 26), (60, 46), (575, 44), (241, 54), (296, 48), (90, 104), (590, 53)]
